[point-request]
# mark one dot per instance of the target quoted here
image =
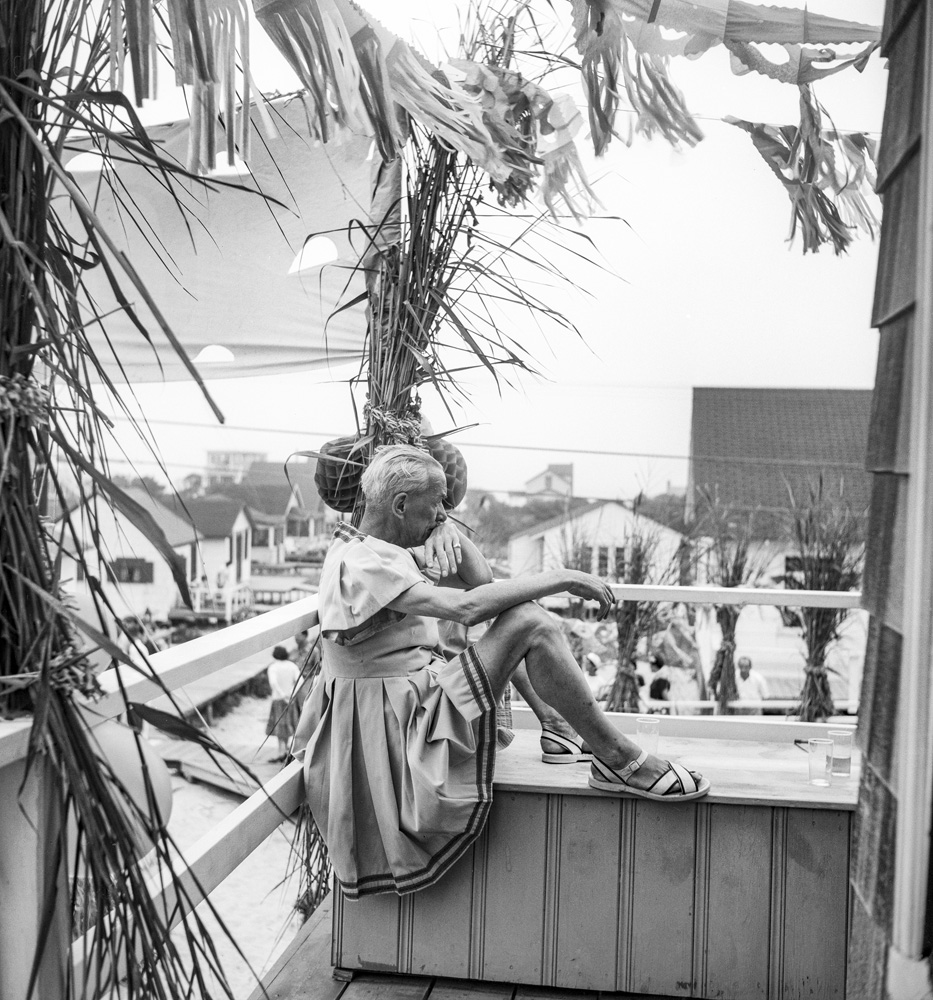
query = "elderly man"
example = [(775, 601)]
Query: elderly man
[(399, 743), (750, 686)]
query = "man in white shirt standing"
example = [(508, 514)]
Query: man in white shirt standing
[(750, 686)]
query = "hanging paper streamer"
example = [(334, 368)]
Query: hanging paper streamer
[(828, 175), (802, 65), (608, 31)]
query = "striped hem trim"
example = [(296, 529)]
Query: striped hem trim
[(453, 850)]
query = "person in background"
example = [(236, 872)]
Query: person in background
[(750, 685), (284, 678)]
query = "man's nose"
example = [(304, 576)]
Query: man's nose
[(441, 516)]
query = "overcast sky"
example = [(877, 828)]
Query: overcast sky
[(705, 292)]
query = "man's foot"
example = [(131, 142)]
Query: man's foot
[(649, 777)]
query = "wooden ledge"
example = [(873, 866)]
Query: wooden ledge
[(743, 772)]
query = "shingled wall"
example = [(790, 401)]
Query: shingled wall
[(893, 314)]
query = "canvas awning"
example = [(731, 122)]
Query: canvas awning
[(226, 276)]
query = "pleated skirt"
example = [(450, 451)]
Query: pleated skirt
[(398, 771)]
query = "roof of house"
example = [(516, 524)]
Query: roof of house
[(213, 516), (564, 471), (176, 529), (270, 500), (754, 447), (578, 510), (301, 475)]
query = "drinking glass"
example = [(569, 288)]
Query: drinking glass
[(646, 733), (820, 759), (842, 753)]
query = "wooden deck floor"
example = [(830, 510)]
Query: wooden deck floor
[(304, 972)]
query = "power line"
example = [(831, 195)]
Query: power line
[(603, 453)]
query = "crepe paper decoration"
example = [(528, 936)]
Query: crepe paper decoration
[(356, 71), (827, 175), (660, 105), (610, 58), (535, 131), (802, 65), (208, 36), (736, 20), (564, 178), (605, 30)]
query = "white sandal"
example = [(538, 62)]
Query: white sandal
[(571, 752), (677, 784)]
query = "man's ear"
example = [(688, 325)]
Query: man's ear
[(399, 503)]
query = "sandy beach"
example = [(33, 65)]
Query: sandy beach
[(255, 901)]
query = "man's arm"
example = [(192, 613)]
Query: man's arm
[(460, 562), (479, 604)]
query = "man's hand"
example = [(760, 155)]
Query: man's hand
[(443, 549), (591, 588)]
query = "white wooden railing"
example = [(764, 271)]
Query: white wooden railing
[(218, 853)]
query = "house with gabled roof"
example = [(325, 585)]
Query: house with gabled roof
[(271, 505), (224, 526), (135, 576), (555, 481), (308, 518), (595, 537)]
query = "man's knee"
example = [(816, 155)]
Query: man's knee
[(530, 621)]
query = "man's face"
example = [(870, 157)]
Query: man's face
[(745, 668), (424, 509)]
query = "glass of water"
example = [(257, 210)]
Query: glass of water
[(647, 729), (842, 752), (820, 759)]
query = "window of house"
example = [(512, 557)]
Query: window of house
[(279, 536), (602, 565), (620, 562), (130, 571), (586, 558), (298, 527), (547, 482), (193, 563), (260, 537)]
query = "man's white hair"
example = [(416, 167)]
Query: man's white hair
[(396, 468)]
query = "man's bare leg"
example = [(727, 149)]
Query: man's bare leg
[(549, 717), (526, 632)]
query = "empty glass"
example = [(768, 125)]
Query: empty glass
[(646, 733), (842, 752), (820, 759)]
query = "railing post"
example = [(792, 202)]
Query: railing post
[(29, 819)]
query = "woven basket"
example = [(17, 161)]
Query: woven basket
[(337, 481), (455, 470)]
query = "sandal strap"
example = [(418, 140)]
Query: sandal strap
[(632, 767), (566, 744), (678, 774)]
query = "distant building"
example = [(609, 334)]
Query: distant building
[(752, 448), (224, 527), (134, 575), (309, 519), (596, 538), (229, 466), (555, 481)]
